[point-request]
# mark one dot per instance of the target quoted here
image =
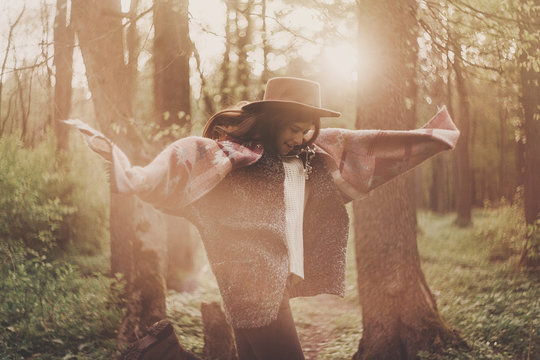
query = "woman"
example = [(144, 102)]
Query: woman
[(266, 188)]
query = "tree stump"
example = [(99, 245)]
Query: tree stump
[(218, 335)]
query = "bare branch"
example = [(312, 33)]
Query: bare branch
[(461, 4), (8, 46), (128, 15), (444, 48)]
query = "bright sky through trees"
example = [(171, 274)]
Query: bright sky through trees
[(304, 26)]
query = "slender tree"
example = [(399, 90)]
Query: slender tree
[(399, 312), (63, 63), (464, 177), (244, 29), (225, 69), (5, 114), (266, 49)]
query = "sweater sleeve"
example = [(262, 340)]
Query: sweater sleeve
[(361, 160), (183, 172)]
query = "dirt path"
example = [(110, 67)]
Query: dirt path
[(320, 320)]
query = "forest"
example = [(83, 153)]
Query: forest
[(442, 263)]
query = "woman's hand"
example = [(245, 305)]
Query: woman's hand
[(101, 146)]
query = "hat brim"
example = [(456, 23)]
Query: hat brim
[(288, 105)]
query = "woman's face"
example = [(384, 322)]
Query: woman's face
[(292, 135)]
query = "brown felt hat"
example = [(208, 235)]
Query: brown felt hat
[(291, 93)]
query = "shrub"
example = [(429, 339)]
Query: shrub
[(502, 229), (45, 202), (84, 186), (28, 212), (47, 307)]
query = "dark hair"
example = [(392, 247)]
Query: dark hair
[(261, 126)]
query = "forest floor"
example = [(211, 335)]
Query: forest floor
[(471, 272), (325, 314), (323, 322)]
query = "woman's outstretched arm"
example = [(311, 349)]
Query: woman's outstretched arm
[(182, 173), (361, 160)]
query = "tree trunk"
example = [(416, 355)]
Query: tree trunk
[(63, 63), (266, 50), (98, 24), (463, 170), (439, 191), (243, 36), (399, 313), (172, 50), (132, 43), (530, 101), (218, 334), (225, 69), (100, 39), (182, 246), (172, 97)]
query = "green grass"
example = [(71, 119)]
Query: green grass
[(495, 306)]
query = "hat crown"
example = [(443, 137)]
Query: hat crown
[(290, 93), (293, 89)]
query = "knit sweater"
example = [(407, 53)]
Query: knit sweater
[(242, 223)]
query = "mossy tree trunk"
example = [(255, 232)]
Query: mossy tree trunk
[(399, 313)]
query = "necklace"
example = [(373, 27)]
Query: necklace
[(306, 155)]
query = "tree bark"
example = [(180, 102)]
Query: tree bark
[(243, 36), (100, 40), (172, 50), (172, 98), (266, 50), (530, 101), (218, 334), (399, 313), (63, 63), (463, 170), (98, 24), (225, 69)]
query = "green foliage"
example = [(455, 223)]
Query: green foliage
[(47, 206), (44, 204), (84, 186), (29, 212), (530, 255), (49, 308), (501, 230)]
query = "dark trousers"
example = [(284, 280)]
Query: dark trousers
[(276, 341)]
